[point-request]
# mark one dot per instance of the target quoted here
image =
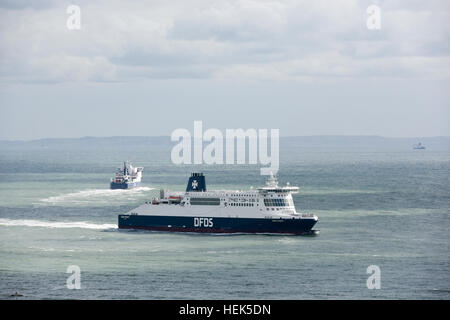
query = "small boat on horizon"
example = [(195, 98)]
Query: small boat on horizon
[(419, 146)]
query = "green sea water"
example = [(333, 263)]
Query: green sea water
[(378, 204)]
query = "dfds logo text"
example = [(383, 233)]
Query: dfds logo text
[(203, 222)]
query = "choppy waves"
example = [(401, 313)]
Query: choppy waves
[(56, 224)]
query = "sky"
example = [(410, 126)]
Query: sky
[(146, 68)]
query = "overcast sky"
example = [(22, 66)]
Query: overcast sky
[(148, 67)]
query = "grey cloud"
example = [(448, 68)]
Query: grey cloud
[(23, 4), (124, 42)]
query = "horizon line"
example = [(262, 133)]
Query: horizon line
[(168, 136)]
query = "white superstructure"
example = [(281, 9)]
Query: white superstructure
[(270, 201), (128, 174)]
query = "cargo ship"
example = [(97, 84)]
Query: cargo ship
[(267, 210), (127, 177)]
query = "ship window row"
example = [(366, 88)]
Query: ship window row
[(205, 201), (241, 199), (242, 204), (276, 202), (241, 195), (276, 190)]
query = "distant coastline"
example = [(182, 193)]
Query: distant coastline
[(325, 142)]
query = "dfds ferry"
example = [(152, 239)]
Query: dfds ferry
[(269, 209), (127, 178)]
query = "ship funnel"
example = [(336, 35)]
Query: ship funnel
[(196, 182)]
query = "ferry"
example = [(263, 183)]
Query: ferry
[(268, 210), (127, 177)]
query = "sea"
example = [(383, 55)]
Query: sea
[(383, 208)]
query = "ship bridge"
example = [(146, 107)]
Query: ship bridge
[(272, 187)]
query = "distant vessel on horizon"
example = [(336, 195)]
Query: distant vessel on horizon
[(127, 178), (419, 146)]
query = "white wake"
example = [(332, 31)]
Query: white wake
[(54, 224), (95, 196)]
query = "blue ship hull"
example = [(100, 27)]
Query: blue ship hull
[(218, 225), (125, 185)]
